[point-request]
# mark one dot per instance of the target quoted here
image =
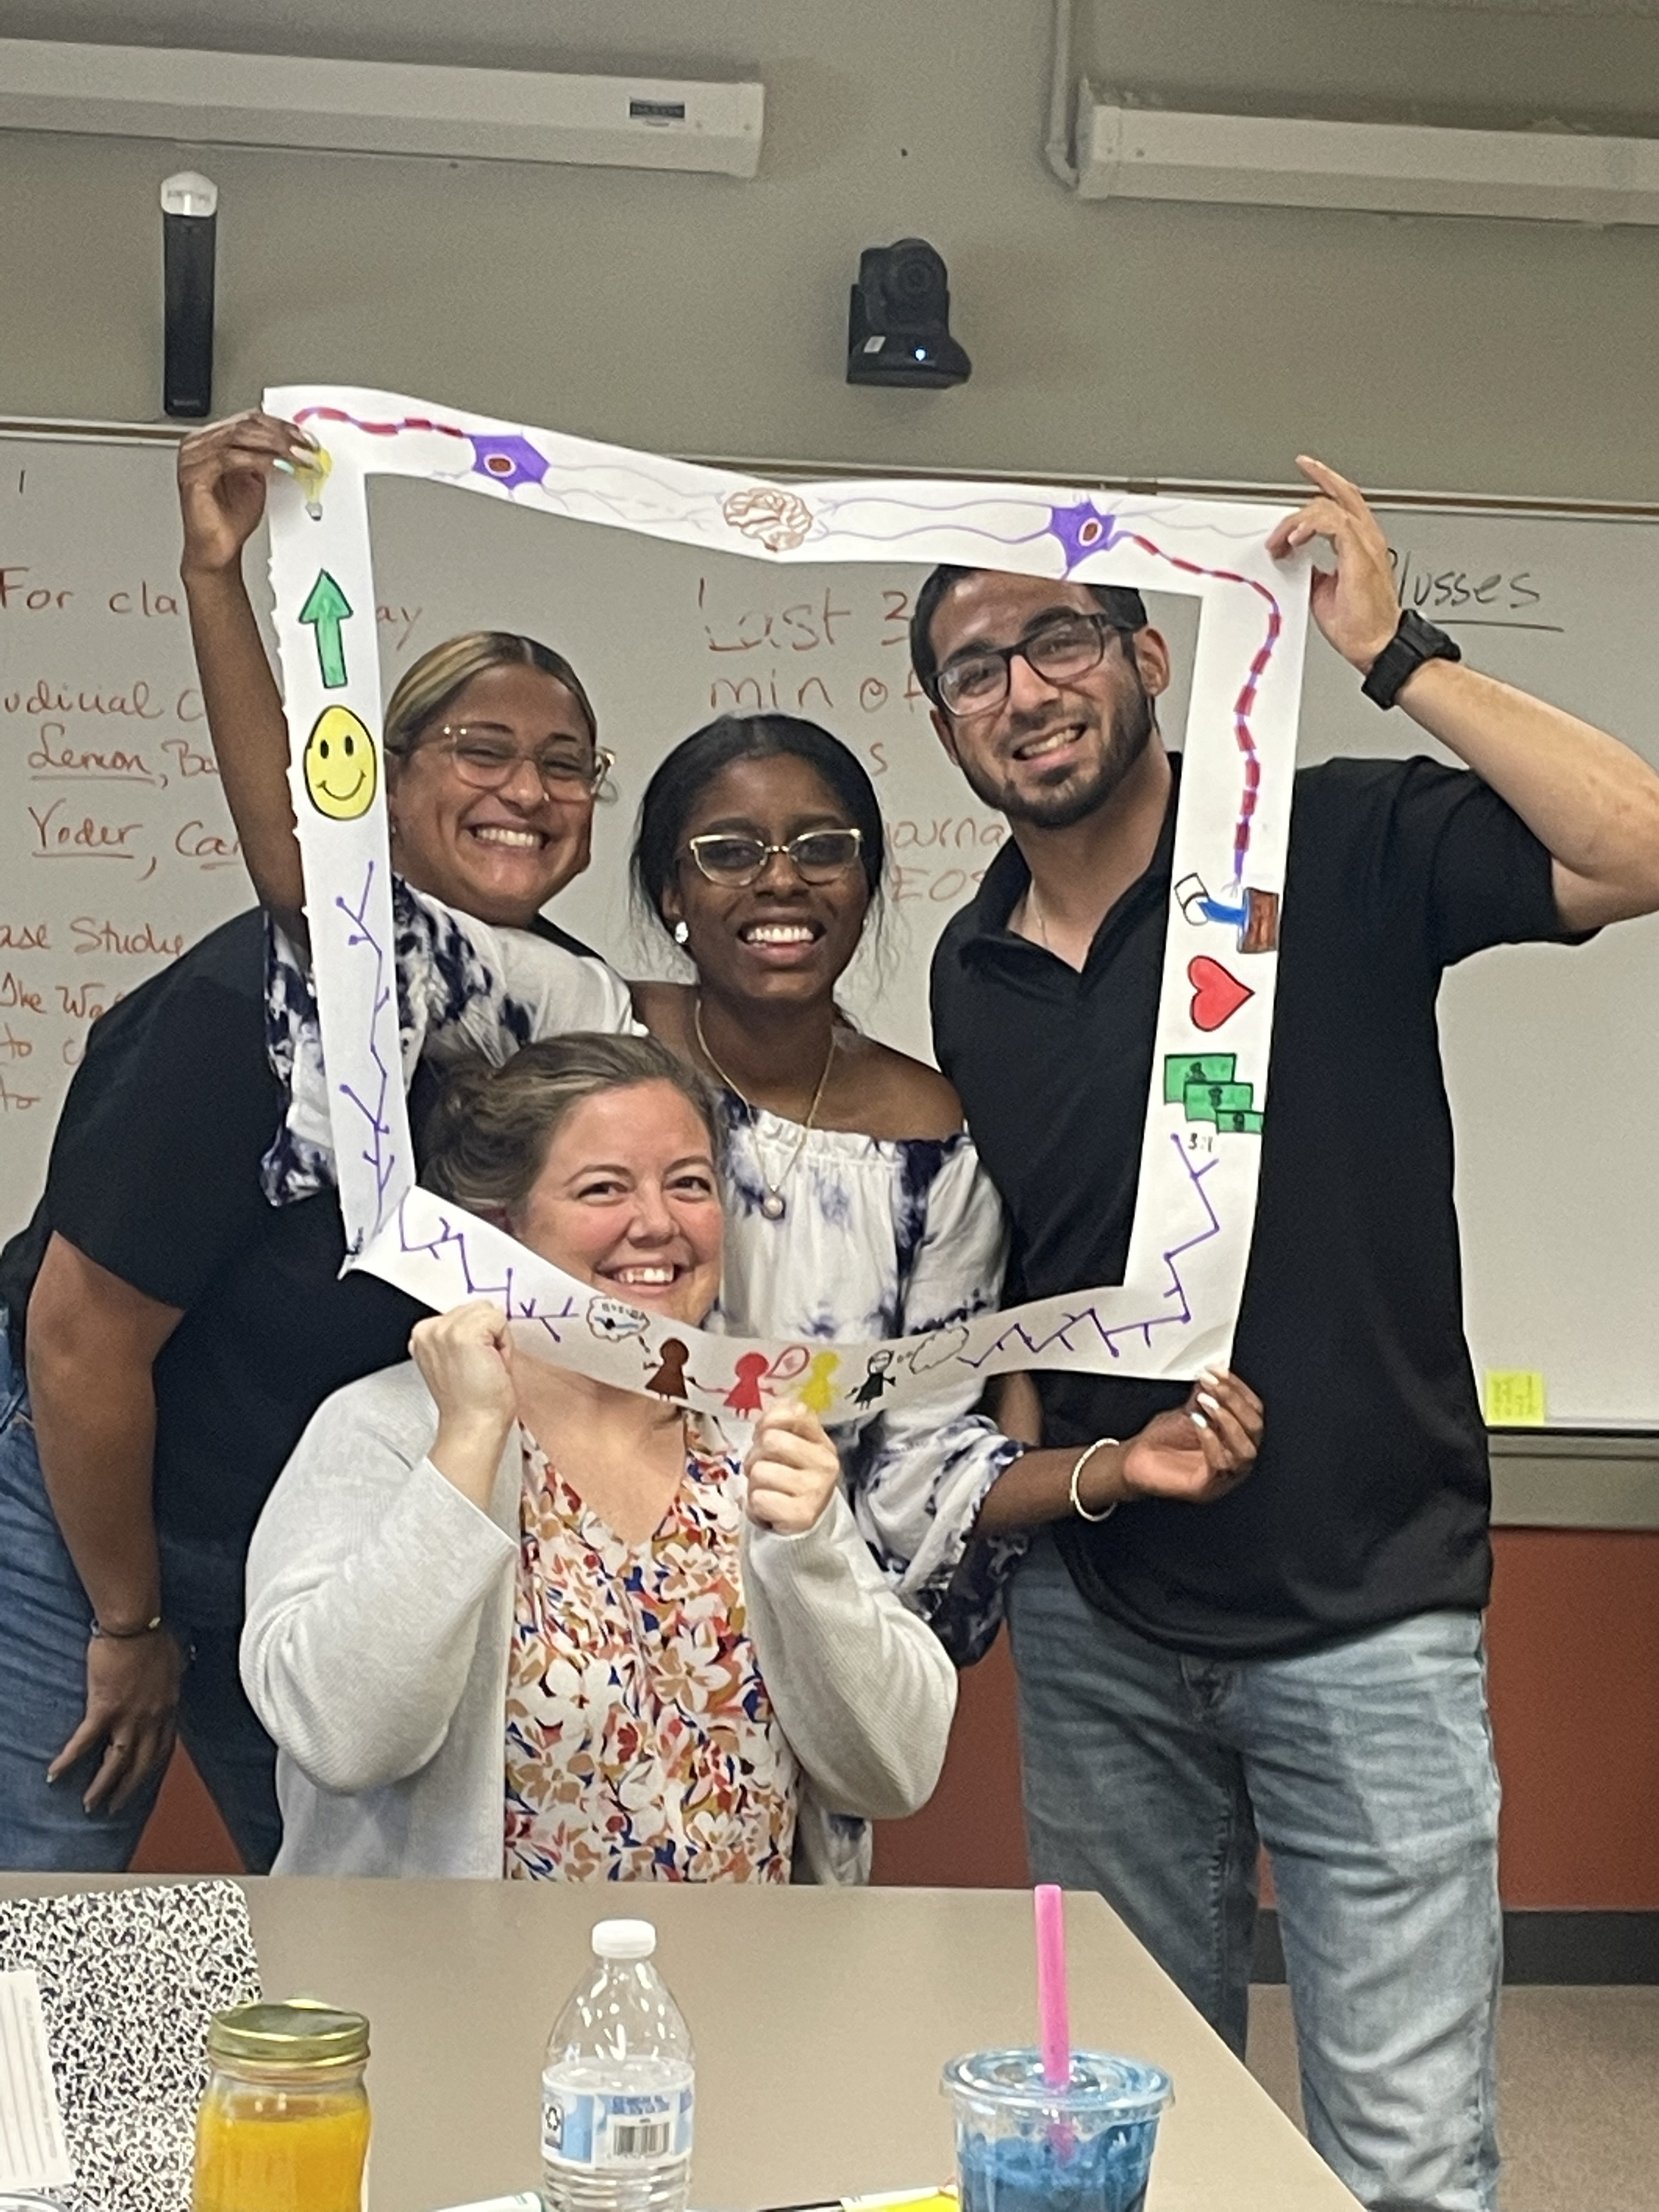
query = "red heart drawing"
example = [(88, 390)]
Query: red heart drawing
[(1216, 995)]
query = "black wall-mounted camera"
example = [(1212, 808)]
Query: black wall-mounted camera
[(899, 330)]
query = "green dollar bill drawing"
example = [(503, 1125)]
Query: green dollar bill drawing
[(1238, 1123), (1182, 1068), (1206, 1102)]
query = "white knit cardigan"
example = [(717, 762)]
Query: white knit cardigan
[(379, 1615)]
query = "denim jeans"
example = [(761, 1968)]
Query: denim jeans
[(1366, 1769), (44, 1618)]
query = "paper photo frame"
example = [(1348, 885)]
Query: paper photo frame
[(1176, 1308)]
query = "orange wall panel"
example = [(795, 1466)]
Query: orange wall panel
[(1574, 1640)]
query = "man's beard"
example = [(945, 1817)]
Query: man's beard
[(1074, 799)]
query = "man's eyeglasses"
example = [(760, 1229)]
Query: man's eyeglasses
[(485, 756), (817, 856), (976, 682)]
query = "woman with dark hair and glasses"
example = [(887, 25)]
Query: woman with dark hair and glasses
[(856, 1203)]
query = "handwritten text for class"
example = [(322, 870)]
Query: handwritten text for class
[(804, 627)]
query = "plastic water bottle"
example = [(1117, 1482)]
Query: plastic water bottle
[(616, 2089)]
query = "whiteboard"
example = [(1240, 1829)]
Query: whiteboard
[(116, 850)]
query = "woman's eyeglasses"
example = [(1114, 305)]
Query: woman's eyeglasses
[(817, 856), (976, 682), (486, 758)]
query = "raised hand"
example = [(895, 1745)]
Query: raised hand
[(1199, 1453), (793, 1470), (466, 1359), (223, 473), (1355, 605)]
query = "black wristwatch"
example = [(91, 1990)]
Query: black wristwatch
[(1412, 644)]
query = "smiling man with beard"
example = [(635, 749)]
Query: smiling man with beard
[(1299, 1664)]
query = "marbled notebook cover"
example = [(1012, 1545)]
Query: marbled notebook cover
[(129, 1980)]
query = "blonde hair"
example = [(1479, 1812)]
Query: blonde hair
[(437, 677), (488, 1135)]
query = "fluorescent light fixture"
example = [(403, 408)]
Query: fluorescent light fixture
[(378, 107), (1387, 169)]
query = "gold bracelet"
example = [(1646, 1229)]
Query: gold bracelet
[(1082, 1460)]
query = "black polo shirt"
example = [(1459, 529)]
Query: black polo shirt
[(1370, 1501), (155, 1175)]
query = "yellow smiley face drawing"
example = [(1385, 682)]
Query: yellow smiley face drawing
[(339, 765)]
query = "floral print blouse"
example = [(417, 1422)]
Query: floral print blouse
[(640, 1742)]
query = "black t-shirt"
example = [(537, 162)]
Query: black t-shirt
[(155, 1175), (1370, 1497)]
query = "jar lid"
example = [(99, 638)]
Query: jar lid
[(301, 2032)]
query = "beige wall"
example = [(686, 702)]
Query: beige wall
[(709, 316)]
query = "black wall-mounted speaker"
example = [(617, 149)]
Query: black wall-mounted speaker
[(189, 224)]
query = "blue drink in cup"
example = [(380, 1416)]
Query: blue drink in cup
[(1024, 2146)]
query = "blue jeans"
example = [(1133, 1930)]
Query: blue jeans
[(1366, 1769), (44, 1618)]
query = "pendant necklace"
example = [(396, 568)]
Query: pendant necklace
[(773, 1206)]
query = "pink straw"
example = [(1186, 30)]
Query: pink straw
[(1053, 2011)]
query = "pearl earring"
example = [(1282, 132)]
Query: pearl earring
[(681, 933)]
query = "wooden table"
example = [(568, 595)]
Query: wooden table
[(821, 2017)]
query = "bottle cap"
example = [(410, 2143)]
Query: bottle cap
[(302, 2033), (624, 1939)]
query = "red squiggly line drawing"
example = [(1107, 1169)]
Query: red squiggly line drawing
[(377, 430), (1245, 705)]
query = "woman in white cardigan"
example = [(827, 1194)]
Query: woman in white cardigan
[(505, 1618)]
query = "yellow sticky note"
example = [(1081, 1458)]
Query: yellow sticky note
[(1515, 1398)]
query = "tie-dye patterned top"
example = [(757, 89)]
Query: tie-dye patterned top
[(640, 1742), (881, 1237)]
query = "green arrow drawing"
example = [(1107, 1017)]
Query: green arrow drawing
[(327, 607)]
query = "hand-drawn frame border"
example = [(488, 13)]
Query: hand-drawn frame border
[(1176, 1308)]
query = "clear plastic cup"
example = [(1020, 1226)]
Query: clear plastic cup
[(1024, 2147)]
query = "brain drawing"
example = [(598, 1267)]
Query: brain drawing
[(777, 518)]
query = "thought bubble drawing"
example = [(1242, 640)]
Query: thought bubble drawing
[(936, 1347), (611, 1320)]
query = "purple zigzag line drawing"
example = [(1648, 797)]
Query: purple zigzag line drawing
[(1144, 1327), (481, 1286), (383, 1161)]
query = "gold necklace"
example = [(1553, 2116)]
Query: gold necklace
[(1034, 913), (773, 1206)]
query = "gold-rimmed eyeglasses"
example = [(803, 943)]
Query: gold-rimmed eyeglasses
[(734, 860), (485, 756)]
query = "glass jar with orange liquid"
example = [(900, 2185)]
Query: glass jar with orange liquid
[(284, 2126)]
